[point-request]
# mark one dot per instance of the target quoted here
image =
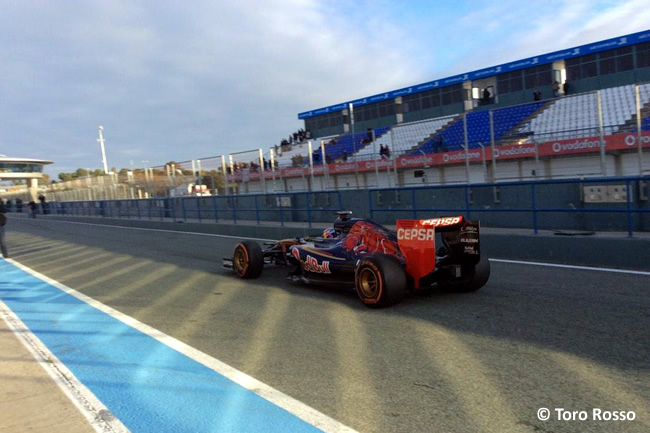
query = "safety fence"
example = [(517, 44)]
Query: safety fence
[(592, 204), (595, 204), (196, 177)]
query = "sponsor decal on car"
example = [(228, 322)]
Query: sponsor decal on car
[(440, 222), (413, 234), (417, 243), (310, 264)]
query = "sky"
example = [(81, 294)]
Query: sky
[(177, 81)]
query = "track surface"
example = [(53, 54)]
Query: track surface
[(533, 337)]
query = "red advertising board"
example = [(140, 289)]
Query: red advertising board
[(614, 142)]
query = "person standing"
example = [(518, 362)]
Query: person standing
[(3, 223), (41, 198), (486, 96), (32, 209)]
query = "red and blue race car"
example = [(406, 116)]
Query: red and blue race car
[(382, 265)]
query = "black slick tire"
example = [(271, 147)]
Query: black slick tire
[(248, 260), (480, 276), (380, 281)]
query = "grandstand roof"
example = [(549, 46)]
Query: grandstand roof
[(568, 53)]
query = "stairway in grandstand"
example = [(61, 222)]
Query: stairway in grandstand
[(447, 122), (410, 135), (286, 157), (630, 125), (478, 128), (357, 144), (514, 135)]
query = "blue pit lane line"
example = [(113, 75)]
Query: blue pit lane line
[(149, 386)]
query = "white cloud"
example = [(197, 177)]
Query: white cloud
[(176, 81), (531, 28)]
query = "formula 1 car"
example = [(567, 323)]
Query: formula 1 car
[(382, 265)]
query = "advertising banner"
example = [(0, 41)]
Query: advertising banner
[(576, 146)]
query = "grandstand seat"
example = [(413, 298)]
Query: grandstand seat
[(577, 116), (478, 128)]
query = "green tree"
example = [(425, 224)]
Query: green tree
[(45, 180), (65, 177)]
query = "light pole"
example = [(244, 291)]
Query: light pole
[(466, 147), (146, 176), (354, 144), (101, 144)]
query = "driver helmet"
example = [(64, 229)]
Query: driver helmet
[(329, 233)]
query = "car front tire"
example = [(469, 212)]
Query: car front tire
[(248, 259)]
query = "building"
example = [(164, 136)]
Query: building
[(609, 63), (30, 170)]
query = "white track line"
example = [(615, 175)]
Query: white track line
[(517, 262), (291, 405), (163, 230), (583, 268)]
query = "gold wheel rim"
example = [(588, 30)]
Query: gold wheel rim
[(240, 260), (368, 283)]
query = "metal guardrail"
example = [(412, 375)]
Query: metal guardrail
[(282, 207), (629, 203), (544, 204)]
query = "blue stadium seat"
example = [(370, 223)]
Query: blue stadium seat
[(478, 128), (350, 143)]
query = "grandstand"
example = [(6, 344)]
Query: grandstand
[(566, 117), (563, 114)]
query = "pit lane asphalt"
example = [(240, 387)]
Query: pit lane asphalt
[(533, 337)]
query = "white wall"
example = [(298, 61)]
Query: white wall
[(508, 170)]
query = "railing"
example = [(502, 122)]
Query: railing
[(593, 204), (303, 207), (615, 204)]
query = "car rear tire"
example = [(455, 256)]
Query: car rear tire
[(380, 281), (248, 259), (480, 276)]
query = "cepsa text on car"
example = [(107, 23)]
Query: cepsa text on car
[(416, 234)]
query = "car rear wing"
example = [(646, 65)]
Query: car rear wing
[(417, 242)]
